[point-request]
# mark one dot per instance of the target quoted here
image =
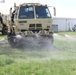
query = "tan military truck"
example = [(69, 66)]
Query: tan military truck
[(32, 20), (3, 24)]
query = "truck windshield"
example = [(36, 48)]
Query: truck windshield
[(42, 12), (26, 12)]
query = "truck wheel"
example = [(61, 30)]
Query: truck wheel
[(15, 42), (4, 31), (11, 41)]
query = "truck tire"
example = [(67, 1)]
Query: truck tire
[(4, 31)]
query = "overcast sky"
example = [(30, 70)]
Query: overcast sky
[(64, 8)]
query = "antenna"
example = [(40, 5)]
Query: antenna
[(14, 6)]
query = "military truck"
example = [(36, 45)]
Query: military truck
[(30, 20), (3, 24)]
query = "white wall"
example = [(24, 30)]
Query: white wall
[(64, 24)]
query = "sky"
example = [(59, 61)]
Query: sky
[(64, 8)]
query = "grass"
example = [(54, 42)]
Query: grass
[(59, 60), (68, 33), (3, 36), (5, 60), (52, 67)]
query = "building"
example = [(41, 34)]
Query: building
[(63, 24)]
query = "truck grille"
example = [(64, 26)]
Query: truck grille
[(35, 26), (32, 25), (38, 25)]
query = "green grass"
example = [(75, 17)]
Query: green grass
[(5, 60), (51, 67), (68, 33), (3, 36), (59, 60)]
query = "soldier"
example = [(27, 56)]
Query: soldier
[(12, 17)]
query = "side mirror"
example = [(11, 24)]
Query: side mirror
[(54, 10)]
